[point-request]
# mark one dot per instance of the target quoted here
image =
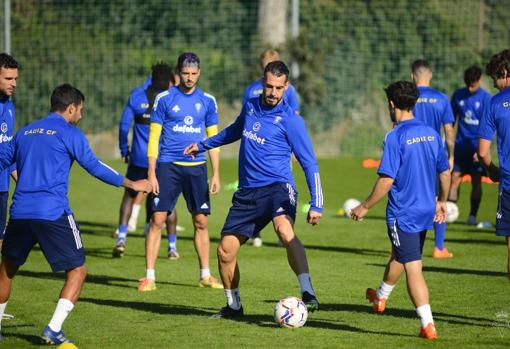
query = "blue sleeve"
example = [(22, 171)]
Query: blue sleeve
[(447, 113), (292, 98), (158, 110), (442, 162), (390, 161), (211, 117), (126, 120), (302, 148), (79, 148), (228, 135), (487, 126)]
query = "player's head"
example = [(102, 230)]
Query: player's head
[(162, 76), (421, 73), (472, 78), (67, 101), (275, 82), (268, 56), (498, 69), (402, 95), (188, 67), (8, 74)]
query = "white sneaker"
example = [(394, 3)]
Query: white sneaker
[(484, 225), (471, 220), (257, 242)]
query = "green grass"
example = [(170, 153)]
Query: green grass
[(469, 293)]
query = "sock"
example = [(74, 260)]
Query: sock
[(2, 311), (475, 204), (305, 283), (123, 229), (64, 307), (172, 242), (151, 274), (233, 298), (425, 314), (134, 213), (439, 233), (205, 273), (384, 290)]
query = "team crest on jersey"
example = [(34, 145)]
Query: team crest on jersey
[(198, 106), (188, 120), (477, 105), (176, 108), (256, 126), (277, 119), (4, 127)]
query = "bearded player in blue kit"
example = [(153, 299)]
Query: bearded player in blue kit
[(44, 152), (270, 131)]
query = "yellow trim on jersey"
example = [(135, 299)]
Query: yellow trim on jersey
[(154, 135), (211, 131), (180, 163)]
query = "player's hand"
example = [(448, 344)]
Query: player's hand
[(313, 217), (440, 216), (475, 157), (358, 212), (191, 150), (154, 183), (142, 185), (126, 159), (214, 186)]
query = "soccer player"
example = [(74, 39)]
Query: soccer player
[(181, 115), (468, 104), (44, 152), (270, 131), (8, 78), (433, 108), (496, 119), (255, 90), (412, 157), (138, 109)]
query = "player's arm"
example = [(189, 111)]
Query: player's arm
[(449, 132), (214, 156), (486, 131), (381, 187), (443, 168), (152, 154), (125, 122)]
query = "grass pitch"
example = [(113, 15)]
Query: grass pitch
[(469, 293)]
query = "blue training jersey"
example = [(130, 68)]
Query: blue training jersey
[(137, 109), (413, 155), (184, 118), (268, 137), (44, 152), (496, 119), (7, 117), (468, 109), (255, 90), (433, 108)]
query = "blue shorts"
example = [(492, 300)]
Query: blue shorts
[(135, 173), (191, 181), (408, 247), (503, 214), (4, 197), (59, 240), (253, 208), (463, 161)]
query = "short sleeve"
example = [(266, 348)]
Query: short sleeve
[(487, 126), (391, 159)]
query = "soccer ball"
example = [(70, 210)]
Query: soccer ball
[(290, 312), (452, 212), (349, 204)]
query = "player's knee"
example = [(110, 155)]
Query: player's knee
[(77, 274), (200, 222), (224, 256)]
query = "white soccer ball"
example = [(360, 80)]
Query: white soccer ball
[(290, 312), (349, 204), (452, 212)]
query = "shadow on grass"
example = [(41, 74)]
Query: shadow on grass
[(453, 270), (35, 340), (476, 241), (411, 314)]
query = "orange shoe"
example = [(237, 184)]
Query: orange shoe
[(146, 285), (440, 254), (379, 304), (428, 332)]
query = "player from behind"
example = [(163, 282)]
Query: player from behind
[(270, 132), (44, 152), (496, 119), (468, 104), (433, 108), (181, 115), (412, 157), (137, 112)]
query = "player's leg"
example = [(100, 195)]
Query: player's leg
[(124, 212), (152, 244), (456, 180), (476, 197), (202, 246), (171, 229), (508, 248), (4, 196), (8, 270), (135, 211)]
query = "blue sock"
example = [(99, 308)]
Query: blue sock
[(439, 233), (172, 242), (123, 230)]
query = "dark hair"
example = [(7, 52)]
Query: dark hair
[(499, 65), (65, 95), (277, 68), (403, 94), (7, 61), (187, 59), (472, 75), (419, 64), (162, 75)]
